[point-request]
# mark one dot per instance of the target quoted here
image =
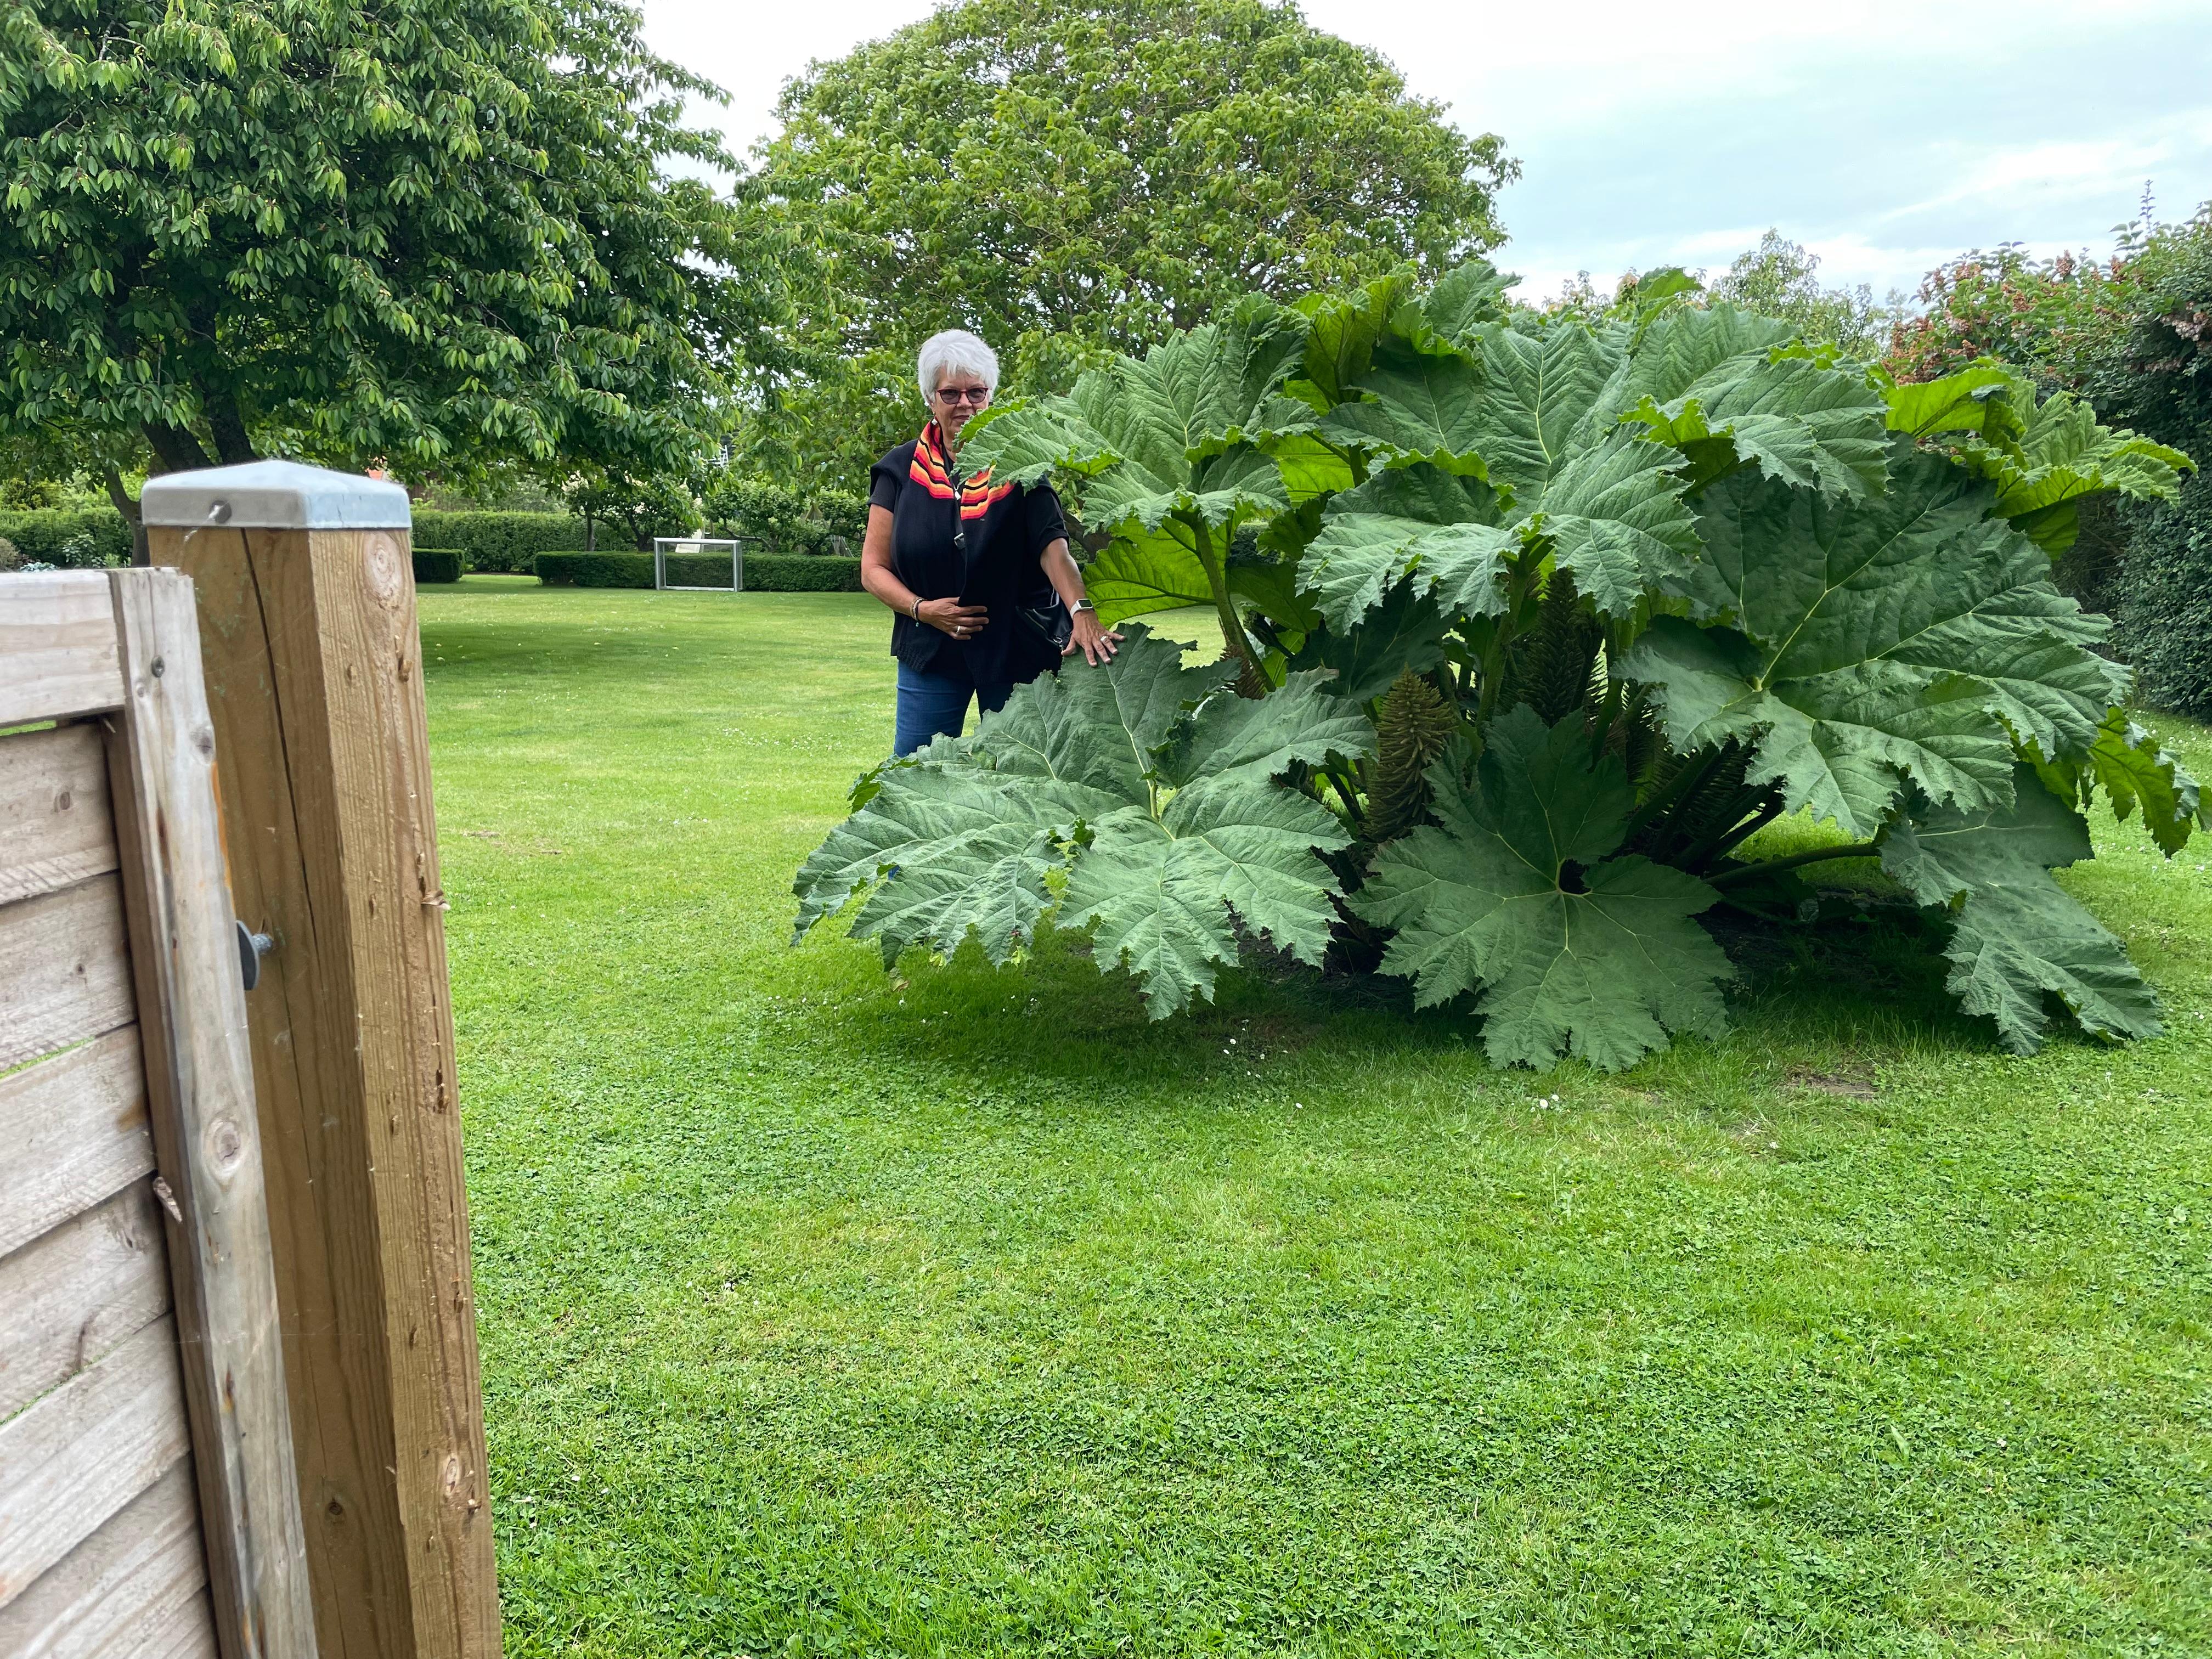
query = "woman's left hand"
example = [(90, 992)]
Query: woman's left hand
[(1093, 640)]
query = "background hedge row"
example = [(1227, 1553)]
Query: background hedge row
[(765, 573), (503, 543), (2161, 599), (69, 538)]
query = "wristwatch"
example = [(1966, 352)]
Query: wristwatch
[(1081, 605)]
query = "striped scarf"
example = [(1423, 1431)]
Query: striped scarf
[(932, 470)]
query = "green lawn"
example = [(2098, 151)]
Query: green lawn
[(825, 1311)]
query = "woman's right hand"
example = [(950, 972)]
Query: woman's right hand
[(963, 622)]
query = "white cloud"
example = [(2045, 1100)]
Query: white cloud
[(1886, 135)]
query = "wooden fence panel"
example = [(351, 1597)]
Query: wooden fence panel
[(58, 638), (148, 1501), (65, 969), (85, 1450), (75, 1130), (56, 829), (136, 1589), (69, 1300)]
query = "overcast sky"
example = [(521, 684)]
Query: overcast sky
[(1885, 136)]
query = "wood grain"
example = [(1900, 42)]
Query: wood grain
[(199, 1082), (85, 1450), (314, 676), (58, 655), (64, 971), (69, 1298), (136, 1588), (55, 828), (75, 1131)]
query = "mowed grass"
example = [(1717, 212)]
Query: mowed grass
[(826, 1310)]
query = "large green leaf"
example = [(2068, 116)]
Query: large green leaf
[(1974, 399), (1342, 330), (2018, 934), (1542, 383), (1515, 894), (1175, 431), (1167, 890), (1727, 388), (1614, 516), (1603, 502), (2063, 457), (1681, 347), (1416, 406), (1466, 299), (1406, 632), (1151, 783), (1440, 530), (1907, 637), (1143, 571), (2134, 770)]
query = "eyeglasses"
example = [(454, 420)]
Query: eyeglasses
[(975, 394)]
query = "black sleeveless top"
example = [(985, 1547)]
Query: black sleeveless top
[(970, 540)]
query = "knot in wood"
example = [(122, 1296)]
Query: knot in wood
[(381, 566), (226, 1146)]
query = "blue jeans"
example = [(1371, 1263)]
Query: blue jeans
[(931, 703)]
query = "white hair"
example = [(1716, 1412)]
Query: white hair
[(954, 351)]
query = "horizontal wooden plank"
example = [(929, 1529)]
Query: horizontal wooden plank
[(55, 826), (65, 969), (135, 1589), (57, 646), (70, 1297), (85, 1450), (191, 1635), (75, 1130)]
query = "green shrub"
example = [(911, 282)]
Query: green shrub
[(786, 520), (2162, 594), (595, 569), (500, 543), (69, 539), (765, 573), (437, 564), (783, 573)]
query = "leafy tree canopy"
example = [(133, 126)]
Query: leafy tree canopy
[(435, 233), (1065, 176)]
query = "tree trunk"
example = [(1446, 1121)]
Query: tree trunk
[(232, 445), (176, 448), (129, 508)]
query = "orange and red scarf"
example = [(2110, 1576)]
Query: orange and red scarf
[(933, 470)]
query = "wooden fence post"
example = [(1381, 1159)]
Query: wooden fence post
[(307, 628)]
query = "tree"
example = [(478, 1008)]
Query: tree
[(1780, 279), (1074, 176), (432, 234)]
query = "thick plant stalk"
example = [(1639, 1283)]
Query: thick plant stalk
[(1251, 682)]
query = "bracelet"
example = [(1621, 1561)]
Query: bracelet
[(916, 612)]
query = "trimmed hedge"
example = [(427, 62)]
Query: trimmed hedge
[(2162, 597), (504, 543), (69, 538), (436, 564), (765, 573)]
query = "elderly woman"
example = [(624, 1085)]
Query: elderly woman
[(986, 594)]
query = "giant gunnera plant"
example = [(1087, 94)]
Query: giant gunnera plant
[(1534, 625)]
